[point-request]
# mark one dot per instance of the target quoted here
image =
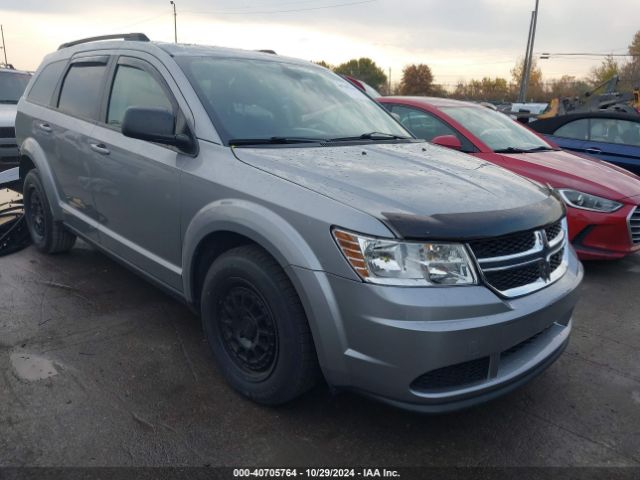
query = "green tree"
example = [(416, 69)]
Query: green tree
[(535, 88), (363, 69), (416, 80), (488, 89)]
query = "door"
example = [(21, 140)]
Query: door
[(136, 183), (77, 102), (616, 141)]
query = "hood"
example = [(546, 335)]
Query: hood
[(417, 189), (8, 114), (562, 169)]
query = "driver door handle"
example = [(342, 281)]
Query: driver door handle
[(593, 150), (100, 148), (45, 127)]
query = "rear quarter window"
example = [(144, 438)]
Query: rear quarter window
[(45, 83)]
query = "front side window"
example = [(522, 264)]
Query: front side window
[(496, 130), (133, 87), (261, 99), (578, 129), (421, 124), (12, 86), (615, 131), (82, 90)]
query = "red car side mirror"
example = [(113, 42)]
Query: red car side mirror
[(449, 141)]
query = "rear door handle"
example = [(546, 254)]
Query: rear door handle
[(45, 127), (593, 150), (100, 148)]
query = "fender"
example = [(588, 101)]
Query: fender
[(32, 149), (253, 221), (291, 251)]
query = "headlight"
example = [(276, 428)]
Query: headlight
[(586, 201), (388, 262)]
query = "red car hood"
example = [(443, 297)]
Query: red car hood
[(562, 169)]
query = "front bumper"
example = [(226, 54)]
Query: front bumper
[(381, 340), (601, 236)]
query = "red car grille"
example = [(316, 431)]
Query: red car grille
[(634, 226)]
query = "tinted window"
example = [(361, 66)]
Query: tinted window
[(615, 131), (82, 90), (249, 99), (45, 83), (133, 87), (577, 129)]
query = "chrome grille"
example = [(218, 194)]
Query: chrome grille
[(521, 263), (634, 226)]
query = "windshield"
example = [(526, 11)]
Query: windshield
[(262, 99), (12, 85), (496, 130)]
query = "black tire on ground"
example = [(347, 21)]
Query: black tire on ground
[(47, 235), (257, 327)]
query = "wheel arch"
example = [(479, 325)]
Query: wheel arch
[(32, 156)]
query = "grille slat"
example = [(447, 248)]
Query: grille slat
[(7, 132), (634, 226), (512, 263)]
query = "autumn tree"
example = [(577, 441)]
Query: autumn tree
[(630, 71), (363, 69), (535, 88), (416, 80), (490, 89), (603, 72), (324, 64)]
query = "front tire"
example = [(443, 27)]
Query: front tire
[(47, 235), (257, 328)]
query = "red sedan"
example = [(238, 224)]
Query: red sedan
[(602, 199)]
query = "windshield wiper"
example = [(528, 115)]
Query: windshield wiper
[(274, 141), (371, 136), (525, 150)]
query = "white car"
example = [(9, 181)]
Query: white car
[(12, 85)]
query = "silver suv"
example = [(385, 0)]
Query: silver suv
[(12, 85), (311, 232)]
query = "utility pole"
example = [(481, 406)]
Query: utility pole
[(4, 48), (175, 23), (528, 59)]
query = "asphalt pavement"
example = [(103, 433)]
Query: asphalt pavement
[(99, 368)]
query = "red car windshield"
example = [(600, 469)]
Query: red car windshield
[(499, 132)]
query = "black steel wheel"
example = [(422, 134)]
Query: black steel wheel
[(257, 328)]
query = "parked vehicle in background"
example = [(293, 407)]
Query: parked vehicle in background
[(12, 85), (602, 199), (308, 228), (365, 87), (607, 135)]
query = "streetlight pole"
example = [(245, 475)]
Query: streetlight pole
[(4, 48), (175, 23), (528, 59)]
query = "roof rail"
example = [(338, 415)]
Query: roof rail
[(136, 37)]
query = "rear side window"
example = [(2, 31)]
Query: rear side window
[(82, 90), (45, 83), (133, 87), (578, 129), (615, 131)]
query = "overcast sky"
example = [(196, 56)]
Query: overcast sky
[(458, 39)]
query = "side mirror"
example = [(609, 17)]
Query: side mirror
[(154, 125), (449, 141)]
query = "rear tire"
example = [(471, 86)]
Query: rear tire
[(47, 235), (257, 328)]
